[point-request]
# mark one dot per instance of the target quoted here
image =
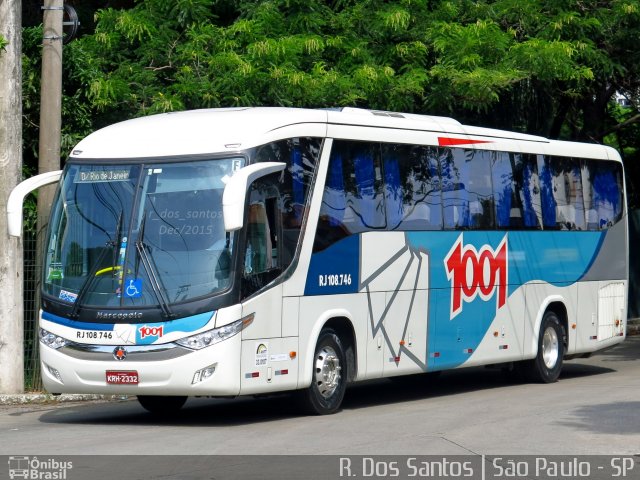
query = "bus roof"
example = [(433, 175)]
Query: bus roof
[(208, 131)]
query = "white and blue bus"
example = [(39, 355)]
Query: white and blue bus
[(245, 251)]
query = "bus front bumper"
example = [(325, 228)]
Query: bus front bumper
[(164, 370)]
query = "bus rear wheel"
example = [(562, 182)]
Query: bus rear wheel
[(546, 367), (329, 379), (161, 405)]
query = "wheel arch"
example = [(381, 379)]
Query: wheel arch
[(555, 304), (344, 328), (342, 322), (560, 309)]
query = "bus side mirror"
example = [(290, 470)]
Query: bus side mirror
[(235, 191), (16, 199)]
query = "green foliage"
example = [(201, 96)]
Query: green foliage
[(3, 43), (77, 111), (540, 66)]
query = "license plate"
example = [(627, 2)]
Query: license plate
[(122, 378)]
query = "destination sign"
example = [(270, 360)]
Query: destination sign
[(95, 176)]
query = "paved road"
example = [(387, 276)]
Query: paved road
[(593, 409)]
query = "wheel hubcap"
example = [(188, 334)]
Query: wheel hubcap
[(327, 371), (550, 347)]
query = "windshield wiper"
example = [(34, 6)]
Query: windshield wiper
[(110, 244), (152, 270)]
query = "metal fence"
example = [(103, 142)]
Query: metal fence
[(32, 380)]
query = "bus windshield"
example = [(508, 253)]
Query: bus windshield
[(140, 234)]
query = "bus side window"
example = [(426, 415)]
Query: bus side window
[(530, 192), (293, 185), (353, 198), (258, 257), (262, 262), (516, 191), (412, 187), (506, 178), (467, 192), (602, 192), (562, 199)]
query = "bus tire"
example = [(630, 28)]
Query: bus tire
[(161, 405), (329, 378), (546, 367)]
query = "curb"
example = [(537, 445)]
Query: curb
[(44, 398)]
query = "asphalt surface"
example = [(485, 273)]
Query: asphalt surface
[(593, 409)]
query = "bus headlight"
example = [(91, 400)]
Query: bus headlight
[(52, 340), (211, 337)]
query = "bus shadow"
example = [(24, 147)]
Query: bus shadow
[(616, 418), (424, 387), (206, 412), (577, 370), (627, 351)]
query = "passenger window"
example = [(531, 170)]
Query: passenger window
[(353, 199), (602, 191), (530, 192), (562, 199), (412, 187), (467, 193), (516, 191)]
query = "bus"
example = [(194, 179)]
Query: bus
[(246, 251)]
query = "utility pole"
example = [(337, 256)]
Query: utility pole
[(50, 126), (50, 105), (11, 281)]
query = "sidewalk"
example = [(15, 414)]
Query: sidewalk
[(42, 398)]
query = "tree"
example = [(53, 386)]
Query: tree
[(539, 66)]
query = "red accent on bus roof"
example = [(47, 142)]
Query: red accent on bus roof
[(449, 141)]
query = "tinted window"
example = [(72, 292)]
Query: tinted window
[(561, 188), (467, 194), (602, 192), (353, 199), (412, 187), (375, 186), (294, 184), (516, 190)]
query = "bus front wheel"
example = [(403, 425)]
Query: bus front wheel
[(546, 367), (329, 378), (161, 405)]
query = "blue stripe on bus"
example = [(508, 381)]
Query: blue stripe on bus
[(336, 269), (186, 325), (559, 258), (107, 327)]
